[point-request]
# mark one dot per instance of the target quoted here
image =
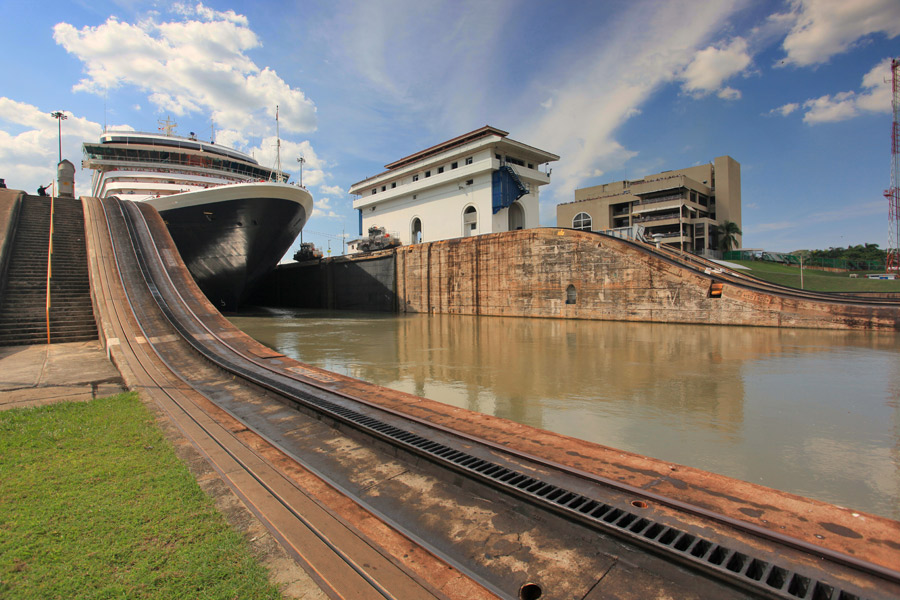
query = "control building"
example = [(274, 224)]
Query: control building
[(679, 208), (480, 182)]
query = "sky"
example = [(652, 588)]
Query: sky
[(797, 91)]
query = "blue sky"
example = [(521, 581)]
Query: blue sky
[(794, 90)]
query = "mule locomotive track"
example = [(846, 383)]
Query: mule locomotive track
[(477, 517)]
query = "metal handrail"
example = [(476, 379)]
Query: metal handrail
[(49, 267)]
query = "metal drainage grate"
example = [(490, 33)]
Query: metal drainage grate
[(691, 549)]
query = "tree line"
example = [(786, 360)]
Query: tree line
[(860, 252)]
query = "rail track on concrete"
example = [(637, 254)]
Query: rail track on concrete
[(722, 274), (469, 516)]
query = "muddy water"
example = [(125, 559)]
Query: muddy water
[(815, 413)]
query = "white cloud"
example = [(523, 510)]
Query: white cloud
[(785, 109), (714, 65), (198, 64), (598, 85), (265, 153), (425, 57), (333, 190), (323, 208), (29, 144), (874, 97), (823, 28), (729, 93)]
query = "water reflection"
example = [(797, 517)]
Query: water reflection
[(811, 412)]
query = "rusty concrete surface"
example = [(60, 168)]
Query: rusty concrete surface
[(864, 536), (527, 273), (495, 537)]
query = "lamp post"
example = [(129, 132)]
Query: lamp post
[(60, 117), (301, 160)]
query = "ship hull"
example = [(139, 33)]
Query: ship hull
[(229, 237)]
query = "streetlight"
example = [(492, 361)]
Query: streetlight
[(60, 117), (301, 160)]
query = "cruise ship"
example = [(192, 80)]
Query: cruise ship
[(231, 218)]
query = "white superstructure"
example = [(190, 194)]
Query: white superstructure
[(140, 166), (231, 219), (480, 182)]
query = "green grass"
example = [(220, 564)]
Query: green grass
[(817, 281), (95, 504)]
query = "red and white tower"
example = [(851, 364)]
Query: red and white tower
[(893, 193)]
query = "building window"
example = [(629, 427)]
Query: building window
[(440, 169), (530, 165), (454, 165), (570, 294), (582, 221), (383, 188), (469, 160), (393, 184), (416, 177), (373, 191), (499, 157), (470, 181), (416, 236), (427, 173), (470, 221)]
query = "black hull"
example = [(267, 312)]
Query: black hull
[(229, 245)]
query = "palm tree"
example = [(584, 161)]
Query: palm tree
[(728, 231)]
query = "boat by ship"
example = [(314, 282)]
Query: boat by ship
[(231, 218)]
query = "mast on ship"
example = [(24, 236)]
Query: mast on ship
[(277, 170), (167, 126)]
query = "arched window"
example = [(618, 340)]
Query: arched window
[(570, 294), (516, 217), (582, 221), (470, 221), (416, 235)]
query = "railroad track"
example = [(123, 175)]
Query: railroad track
[(721, 274), (509, 522)]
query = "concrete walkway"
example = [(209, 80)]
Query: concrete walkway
[(47, 373)]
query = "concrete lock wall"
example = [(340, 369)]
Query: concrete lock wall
[(528, 273), (343, 283), (548, 272)]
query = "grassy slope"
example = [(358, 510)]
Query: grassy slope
[(95, 504), (819, 281)]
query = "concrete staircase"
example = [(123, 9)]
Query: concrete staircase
[(23, 317)]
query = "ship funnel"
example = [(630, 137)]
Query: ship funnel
[(65, 176)]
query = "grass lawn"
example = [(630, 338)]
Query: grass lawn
[(95, 504), (817, 281)]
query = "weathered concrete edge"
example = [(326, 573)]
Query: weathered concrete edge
[(283, 570), (10, 204)]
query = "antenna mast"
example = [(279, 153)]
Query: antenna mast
[(277, 171), (167, 126), (892, 260)]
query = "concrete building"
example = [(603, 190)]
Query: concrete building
[(479, 182), (679, 208)]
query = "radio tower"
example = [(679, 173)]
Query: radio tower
[(892, 260)]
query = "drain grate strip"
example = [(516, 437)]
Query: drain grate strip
[(703, 553)]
